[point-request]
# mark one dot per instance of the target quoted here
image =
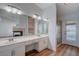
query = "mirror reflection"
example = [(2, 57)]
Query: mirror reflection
[(9, 23), (17, 24)]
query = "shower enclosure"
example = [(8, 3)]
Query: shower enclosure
[(59, 32)]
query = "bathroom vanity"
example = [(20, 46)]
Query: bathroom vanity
[(25, 31), (17, 46)]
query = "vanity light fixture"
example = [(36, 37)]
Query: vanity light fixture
[(8, 9), (13, 9), (34, 16), (19, 12), (14, 25), (45, 19), (39, 18)]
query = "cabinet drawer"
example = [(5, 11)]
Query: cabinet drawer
[(31, 42)]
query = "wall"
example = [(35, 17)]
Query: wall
[(50, 12)]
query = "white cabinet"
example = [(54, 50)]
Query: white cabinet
[(19, 51), (42, 44), (13, 50), (5, 53)]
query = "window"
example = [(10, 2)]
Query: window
[(71, 31)]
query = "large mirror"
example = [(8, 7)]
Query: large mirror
[(10, 23), (13, 24)]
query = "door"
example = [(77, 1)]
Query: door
[(71, 31)]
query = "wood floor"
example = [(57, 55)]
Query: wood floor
[(63, 50)]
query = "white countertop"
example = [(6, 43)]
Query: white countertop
[(5, 41)]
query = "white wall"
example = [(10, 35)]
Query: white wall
[(50, 12)]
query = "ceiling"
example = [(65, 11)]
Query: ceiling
[(62, 8), (43, 5), (68, 8)]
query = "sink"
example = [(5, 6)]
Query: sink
[(4, 42)]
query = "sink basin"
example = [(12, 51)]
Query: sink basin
[(4, 42)]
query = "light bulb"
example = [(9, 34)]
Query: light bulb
[(14, 10), (14, 25), (39, 18), (45, 19), (34, 16), (19, 12)]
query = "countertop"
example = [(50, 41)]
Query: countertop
[(5, 41)]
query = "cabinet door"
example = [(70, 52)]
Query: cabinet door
[(5, 53), (19, 51), (43, 43)]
